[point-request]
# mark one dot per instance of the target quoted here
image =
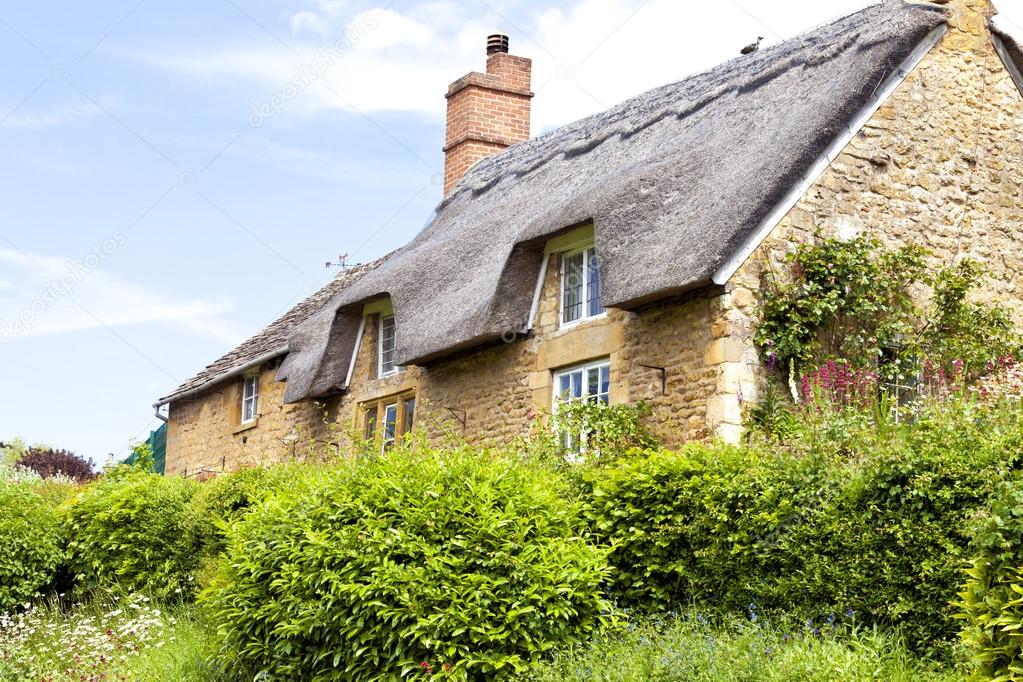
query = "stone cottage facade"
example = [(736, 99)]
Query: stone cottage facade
[(620, 258)]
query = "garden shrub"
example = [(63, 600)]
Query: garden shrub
[(991, 601), (877, 525), (31, 545), (221, 501), (466, 563), (50, 463), (135, 530)]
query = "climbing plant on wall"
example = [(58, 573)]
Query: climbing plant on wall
[(861, 302)]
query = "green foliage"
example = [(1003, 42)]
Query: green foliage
[(142, 457), (607, 431), (11, 452), (868, 522), (958, 329), (135, 530), (221, 501), (846, 299), (31, 545), (991, 601), (693, 649), (464, 563), (854, 300)]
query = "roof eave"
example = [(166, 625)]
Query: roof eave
[(230, 374), (728, 268)]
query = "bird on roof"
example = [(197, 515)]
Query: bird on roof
[(752, 47)]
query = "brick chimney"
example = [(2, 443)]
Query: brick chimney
[(487, 112)]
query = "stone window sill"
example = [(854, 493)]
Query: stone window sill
[(246, 426)]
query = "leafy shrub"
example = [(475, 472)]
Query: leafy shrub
[(31, 545), (876, 523), (992, 599), (464, 563), (222, 500), (48, 463), (135, 530)]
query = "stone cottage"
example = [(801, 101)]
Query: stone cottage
[(619, 258)]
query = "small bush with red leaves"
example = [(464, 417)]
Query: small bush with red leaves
[(48, 463)]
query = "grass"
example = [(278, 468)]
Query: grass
[(108, 638), (691, 649), (129, 638)]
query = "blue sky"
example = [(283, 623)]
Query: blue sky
[(177, 173)]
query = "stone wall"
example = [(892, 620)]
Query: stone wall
[(498, 390), (205, 433), (937, 165)]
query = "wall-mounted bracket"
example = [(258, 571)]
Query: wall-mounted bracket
[(460, 415), (664, 376)]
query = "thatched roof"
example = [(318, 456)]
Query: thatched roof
[(271, 341), (674, 180), (1012, 38)]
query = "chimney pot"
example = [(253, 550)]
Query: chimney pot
[(497, 42)]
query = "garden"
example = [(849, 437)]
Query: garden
[(870, 527)]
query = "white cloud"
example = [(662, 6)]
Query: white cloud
[(587, 55), (53, 116), (43, 295)]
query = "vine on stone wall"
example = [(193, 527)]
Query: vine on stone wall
[(861, 303)]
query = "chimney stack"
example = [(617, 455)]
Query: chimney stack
[(487, 112)]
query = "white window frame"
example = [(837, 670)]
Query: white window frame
[(589, 252), (381, 372), (250, 401), (557, 399)]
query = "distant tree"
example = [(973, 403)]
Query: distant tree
[(49, 462)]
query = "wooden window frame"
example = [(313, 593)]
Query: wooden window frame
[(375, 412)]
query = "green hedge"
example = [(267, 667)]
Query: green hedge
[(460, 563), (31, 544), (992, 598), (221, 501), (877, 526), (135, 530)]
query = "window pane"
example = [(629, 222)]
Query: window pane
[(592, 381), (564, 386), (390, 421), (408, 418), (572, 286), (387, 342), (605, 383), (577, 385), (593, 306), (371, 423)]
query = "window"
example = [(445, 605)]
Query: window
[(387, 338), (408, 413), (387, 420), (250, 399), (390, 425), (590, 382), (370, 430), (580, 286)]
